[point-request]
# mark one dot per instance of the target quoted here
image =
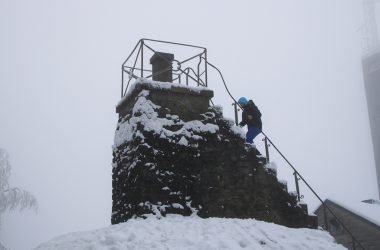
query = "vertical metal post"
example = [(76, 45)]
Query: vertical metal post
[(122, 81), (187, 78), (325, 217), (206, 67), (236, 113), (266, 149), (297, 186), (142, 58), (353, 244), (198, 77)]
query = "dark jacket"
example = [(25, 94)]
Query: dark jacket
[(251, 116)]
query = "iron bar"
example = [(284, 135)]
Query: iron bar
[(236, 113), (142, 58), (206, 81), (190, 58), (122, 81), (200, 60), (147, 70), (266, 149), (221, 76), (131, 52), (312, 190), (131, 72), (200, 80), (297, 186), (150, 48), (187, 77), (188, 74), (140, 55), (137, 57), (182, 44)]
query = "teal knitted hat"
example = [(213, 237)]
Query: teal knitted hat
[(243, 100)]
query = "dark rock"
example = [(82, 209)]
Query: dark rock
[(202, 167)]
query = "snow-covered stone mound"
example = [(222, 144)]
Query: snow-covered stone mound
[(179, 232), (174, 154)]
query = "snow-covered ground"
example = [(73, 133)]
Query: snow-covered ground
[(178, 232)]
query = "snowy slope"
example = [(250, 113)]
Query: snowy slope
[(178, 232)]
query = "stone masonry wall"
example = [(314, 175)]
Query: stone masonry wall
[(167, 161)]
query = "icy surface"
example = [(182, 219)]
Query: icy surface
[(178, 232)]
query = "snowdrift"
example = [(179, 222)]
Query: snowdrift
[(179, 232)]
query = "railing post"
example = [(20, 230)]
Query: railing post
[(187, 78), (142, 58), (198, 74), (266, 149), (325, 217), (206, 68), (122, 81), (297, 186), (236, 113)]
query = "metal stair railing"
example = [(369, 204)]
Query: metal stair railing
[(296, 174), (196, 76)]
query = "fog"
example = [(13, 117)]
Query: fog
[(60, 76)]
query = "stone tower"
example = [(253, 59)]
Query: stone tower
[(173, 153)]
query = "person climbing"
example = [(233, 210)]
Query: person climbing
[(251, 117)]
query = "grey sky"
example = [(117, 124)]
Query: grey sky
[(60, 81)]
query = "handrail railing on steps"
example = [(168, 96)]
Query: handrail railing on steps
[(197, 78), (296, 174)]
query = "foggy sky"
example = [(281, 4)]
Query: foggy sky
[(300, 61)]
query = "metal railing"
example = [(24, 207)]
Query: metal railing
[(297, 176), (191, 69), (199, 77)]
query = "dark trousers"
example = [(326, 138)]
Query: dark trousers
[(251, 134)]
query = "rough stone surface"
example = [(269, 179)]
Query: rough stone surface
[(181, 100), (189, 169)]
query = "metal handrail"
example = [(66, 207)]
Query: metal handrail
[(199, 81), (296, 173), (200, 78)]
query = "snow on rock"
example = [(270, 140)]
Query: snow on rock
[(178, 232), (271, 166), (145, 113)]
